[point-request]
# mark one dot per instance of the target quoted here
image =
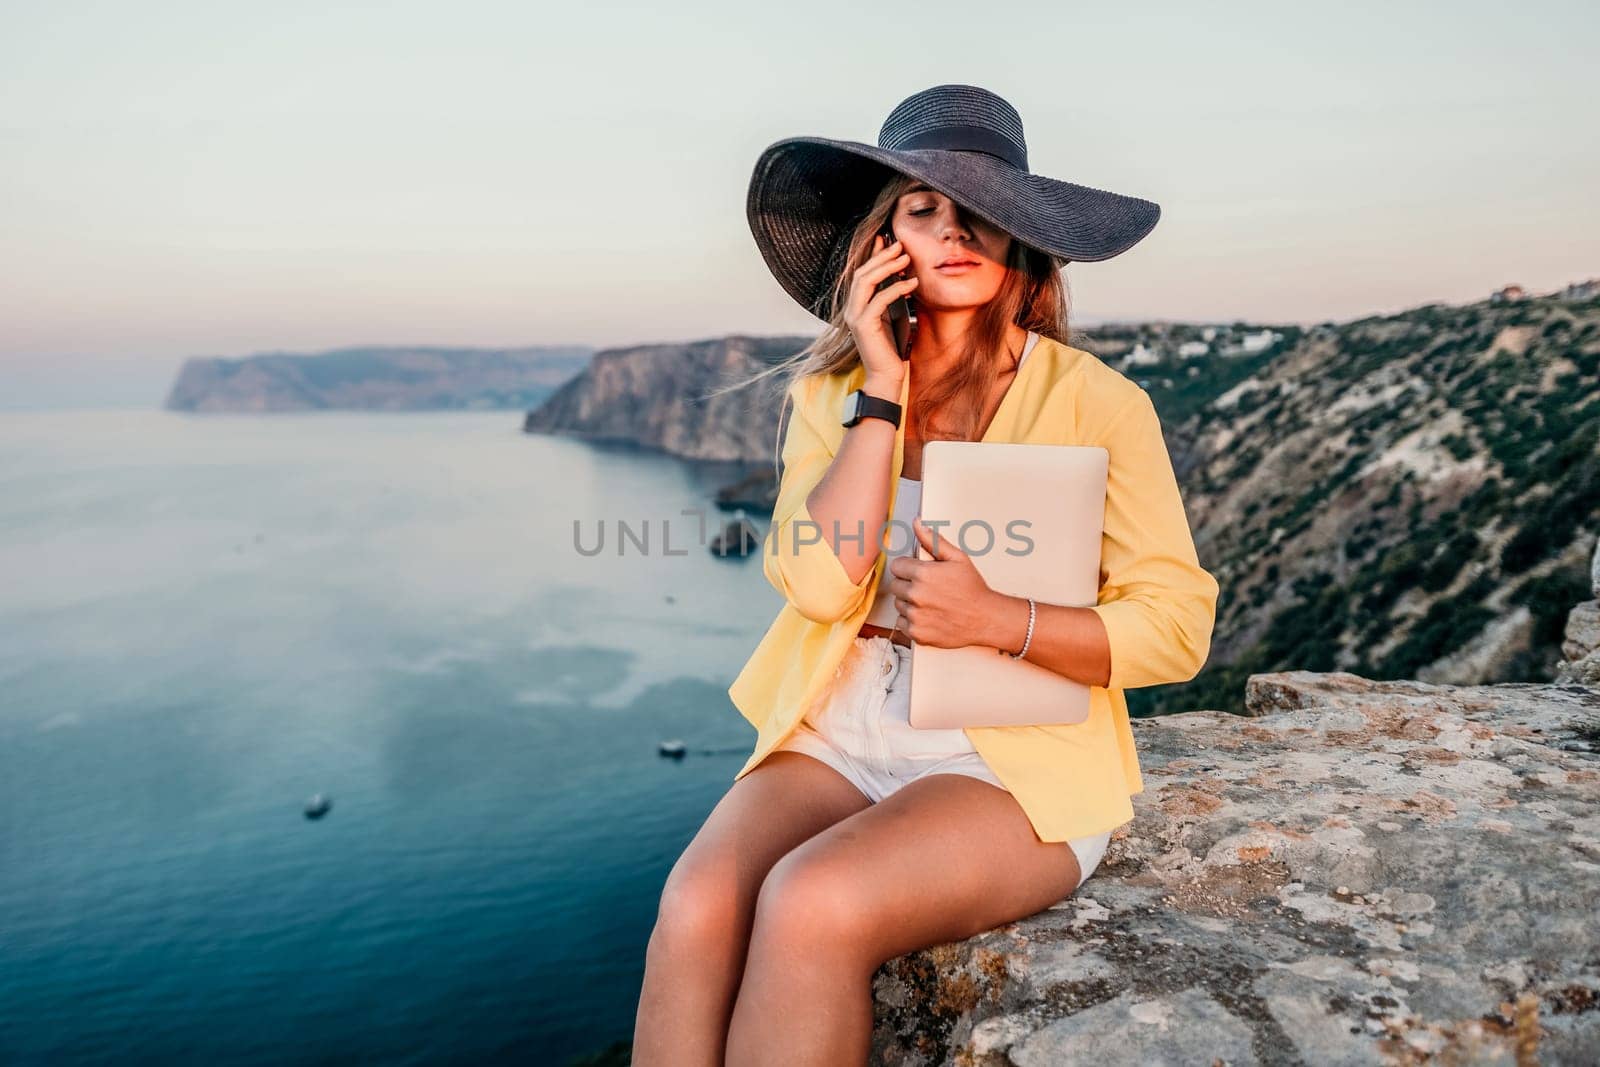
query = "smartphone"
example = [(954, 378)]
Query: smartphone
[(902, 312)]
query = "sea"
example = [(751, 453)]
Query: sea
[(429, 619)]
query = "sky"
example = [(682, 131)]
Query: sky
[(219, 178)]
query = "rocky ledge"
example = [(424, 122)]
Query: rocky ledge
[(1353, 872)]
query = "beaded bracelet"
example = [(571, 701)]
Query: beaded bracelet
[(1026, 641)]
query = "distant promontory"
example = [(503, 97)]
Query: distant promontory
[(395, 378), (655, 396)]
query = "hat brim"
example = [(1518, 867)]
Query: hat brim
[(807, 192)]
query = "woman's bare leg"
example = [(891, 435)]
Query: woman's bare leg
[(942, 859), (696, 952)]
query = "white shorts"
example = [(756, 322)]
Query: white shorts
[(859, 726)]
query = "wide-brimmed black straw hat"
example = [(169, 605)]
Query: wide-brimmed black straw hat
[(808, 193)]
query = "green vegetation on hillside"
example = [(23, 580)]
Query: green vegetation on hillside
[(1505, 397)]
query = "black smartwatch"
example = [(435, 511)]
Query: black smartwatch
[(859, 405)]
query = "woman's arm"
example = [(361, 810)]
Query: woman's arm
[(1157, 604), (816, 558), (1069, 641), (852, 499)]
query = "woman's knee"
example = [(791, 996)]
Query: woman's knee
[(700, 903), (816, 902)]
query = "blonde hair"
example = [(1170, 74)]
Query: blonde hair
[(1033, 296)]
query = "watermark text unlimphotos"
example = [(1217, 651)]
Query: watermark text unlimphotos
[(652, 537)]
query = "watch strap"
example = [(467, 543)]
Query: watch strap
[(874, 407)]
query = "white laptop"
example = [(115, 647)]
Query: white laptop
[(1031, 518)]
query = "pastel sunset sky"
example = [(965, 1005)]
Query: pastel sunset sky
[(220, 178)]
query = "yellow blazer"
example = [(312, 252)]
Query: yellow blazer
[(1158, 604)]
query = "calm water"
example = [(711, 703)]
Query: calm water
[(206, 619)]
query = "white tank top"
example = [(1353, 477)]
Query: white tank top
[(899, 538)]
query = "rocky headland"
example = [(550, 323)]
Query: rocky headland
[(661, 397), (376, 379)]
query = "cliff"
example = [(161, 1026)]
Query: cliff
[(1353, 872), (1340, 868), (1402, 496), (656, 396), (376, 379)]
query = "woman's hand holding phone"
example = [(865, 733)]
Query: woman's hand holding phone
[(866, 313)]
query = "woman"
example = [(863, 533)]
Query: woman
[(849, 837)]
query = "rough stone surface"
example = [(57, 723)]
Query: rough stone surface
[(1580, 647), (1357, 872)]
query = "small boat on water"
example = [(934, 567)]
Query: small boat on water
[(673, 748), (317, 806)]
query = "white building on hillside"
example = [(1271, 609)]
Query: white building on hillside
[(1251, 343), (1142, 356), (1258, 342)]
